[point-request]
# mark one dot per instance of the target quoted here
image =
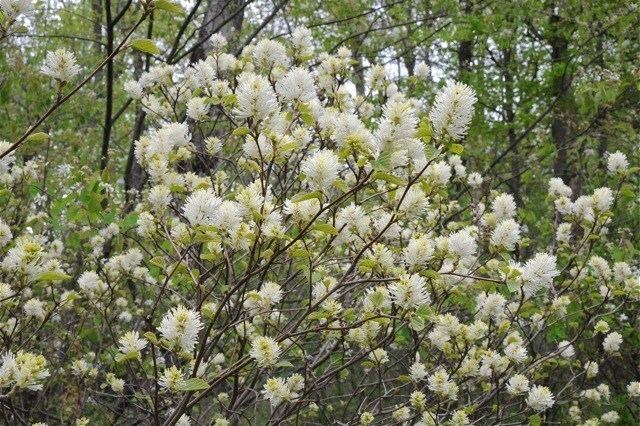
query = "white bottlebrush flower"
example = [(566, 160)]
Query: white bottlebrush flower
[(265, 351), (184, 420), (181, 326), (563, 233), (399, 122), (197, 109), (90, 282), (422, 70), (558, 189), (23, 370), (612, 342), (591, 368), (276, 391), (582, 208), (217, 42), (34, 308), (506, 234), (7, 160), (462, 244), (351, 221), (297, 85), (441, 384), (302, 211), (401, 415), (410, 292), (439, 173), (491, 306), (376, 298), (228, 217), (302, 42), (271, 293), (418, 252), (159, 198), (201, 207), (417, 371), (474, 180), (270, 53), (540, 398), (379, 356), (60, 65), (134, 89), (321, 169), (5, 234), (256, 98), (518, 384), (539, 272), (131, 342), (602, 199), (566, 349), (633, 389), (611, 417), (414, 202), (504, 207), (452, 111), (349, 129), (172, 379), (617, 162)]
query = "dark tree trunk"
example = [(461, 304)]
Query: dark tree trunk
[(509, 116), (560, 89), (222, 16), (465, 48)]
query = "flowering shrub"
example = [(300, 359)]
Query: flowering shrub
[(300, 254)]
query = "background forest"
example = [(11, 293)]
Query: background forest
[(557, 80)]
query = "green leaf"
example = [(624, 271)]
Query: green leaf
[(383, 162), (194, 384), (424, 130), (535, 420), (341, 185), (168, 6), (129, 221), (326, 228), (388, 177), (151, 337), (513, 286), (417, 323), (52, 276), (145, 45), (37, 137), (284, 364), (456, 148), (127, 357), (307, 196), (241, 131), (158, 261)]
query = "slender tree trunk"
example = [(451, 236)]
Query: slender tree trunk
[(465, 48), (509, 113), (108, 110), (560, 88)]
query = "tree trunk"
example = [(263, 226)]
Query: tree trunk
[(222, 16), (560, 89), (509, 117), (465, 48)]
